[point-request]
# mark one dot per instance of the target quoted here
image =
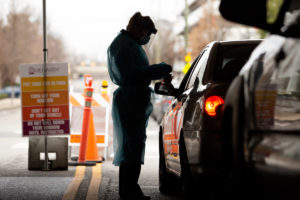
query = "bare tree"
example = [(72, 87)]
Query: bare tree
[(210, 27), (21, 42), (56, 49), (2, 64)]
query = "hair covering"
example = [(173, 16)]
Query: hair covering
[(139, 25)]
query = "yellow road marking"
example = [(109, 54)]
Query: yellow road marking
[(95, 183), (71, 192)]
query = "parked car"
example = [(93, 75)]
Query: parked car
[(261, 127), (10, 90), (189, 135)]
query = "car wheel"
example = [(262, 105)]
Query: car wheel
[(233, 127), (188, 184), (167, 183)]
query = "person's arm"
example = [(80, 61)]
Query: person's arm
[(133, 65), (156, 71), (150, 72)]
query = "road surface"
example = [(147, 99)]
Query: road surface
[(98, 182)]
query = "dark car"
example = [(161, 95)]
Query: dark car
[(261, 126), (10, 91), (189, 136)]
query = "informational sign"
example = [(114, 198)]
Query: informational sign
[(45, 100)]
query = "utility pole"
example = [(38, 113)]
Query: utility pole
[(45, 54), (157, 52), (186, 28), (12, 70)]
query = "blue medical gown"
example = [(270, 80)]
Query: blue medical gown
[(129, 68)]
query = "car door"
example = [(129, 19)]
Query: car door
[(174, 119), (275, 144)]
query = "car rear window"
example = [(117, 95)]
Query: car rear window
[(230, 60)]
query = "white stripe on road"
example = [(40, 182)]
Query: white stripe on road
[(156, 156), (20, 146), (18, 132), (152, 132), (149, 187), (142, 186)]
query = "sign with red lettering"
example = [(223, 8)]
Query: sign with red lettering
[(45, 100)]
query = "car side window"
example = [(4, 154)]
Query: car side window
[(277, 93), (199, 69), (287, 107), (202, 67), (186, 77)]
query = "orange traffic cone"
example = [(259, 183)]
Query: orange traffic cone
[(92, 149)]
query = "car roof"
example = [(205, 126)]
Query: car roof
[(213, 46), (239, 42), (234, 42)]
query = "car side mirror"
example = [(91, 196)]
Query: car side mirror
[(167, 90)]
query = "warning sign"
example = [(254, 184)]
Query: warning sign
[(45, 100)]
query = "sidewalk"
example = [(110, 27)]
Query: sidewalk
[(10, 103)]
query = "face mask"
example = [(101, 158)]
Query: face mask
[(145, 40)]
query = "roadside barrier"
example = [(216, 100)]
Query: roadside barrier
[(98, 124)]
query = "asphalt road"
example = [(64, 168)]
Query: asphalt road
[(149, 173), (98, 182)]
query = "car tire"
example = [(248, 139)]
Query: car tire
[(188, 184), (168, 184), (233, 128)]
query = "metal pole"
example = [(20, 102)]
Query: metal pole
[(45, 51), (186, 28), (158, 45)]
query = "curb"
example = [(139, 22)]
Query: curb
[(9, 104)]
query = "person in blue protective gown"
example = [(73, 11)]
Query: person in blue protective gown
[(129, 68)]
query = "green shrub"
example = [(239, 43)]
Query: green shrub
[(3, 96)]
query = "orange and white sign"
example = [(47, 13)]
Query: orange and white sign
[(45, 102)]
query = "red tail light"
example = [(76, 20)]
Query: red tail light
[(211, 105)]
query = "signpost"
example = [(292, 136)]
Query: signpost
[(45, 108), (45, 52)]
